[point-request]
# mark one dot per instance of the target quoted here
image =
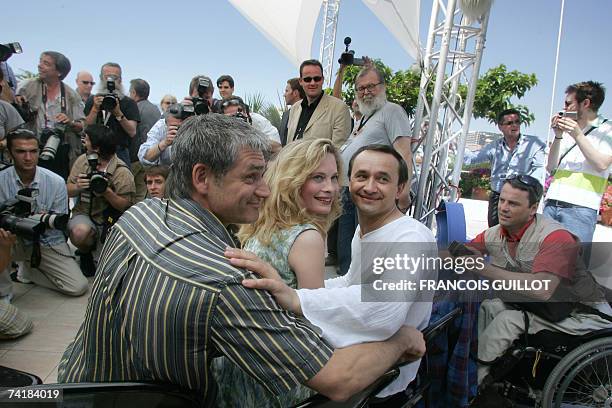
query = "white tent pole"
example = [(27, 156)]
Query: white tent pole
[(554, 85)]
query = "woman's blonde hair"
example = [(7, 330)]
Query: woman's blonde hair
[(286, 175)]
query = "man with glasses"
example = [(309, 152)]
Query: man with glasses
[(85, 83), (382, 122), (318, 115), (513, 153), (531, 249)]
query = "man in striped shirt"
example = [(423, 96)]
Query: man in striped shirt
[(166, 301)]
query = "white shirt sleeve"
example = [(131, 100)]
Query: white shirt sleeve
[(345, 320), (156, 134), (263, 125)]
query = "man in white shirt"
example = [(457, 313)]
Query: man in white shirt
[(580, 158), (353, 308)]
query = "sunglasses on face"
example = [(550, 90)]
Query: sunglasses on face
[(310, 79), (513, 122), (92, 83)]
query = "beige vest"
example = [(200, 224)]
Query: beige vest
[(581, 288)]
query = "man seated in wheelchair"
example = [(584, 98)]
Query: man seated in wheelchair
[(538, 276)]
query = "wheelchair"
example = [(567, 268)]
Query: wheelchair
[(551, 369), (136, 395)]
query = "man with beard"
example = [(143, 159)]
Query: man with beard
[(382, 122), (318, 115), (122, 119), (54, 105)]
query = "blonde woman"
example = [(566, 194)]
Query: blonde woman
[(290, 235), (166, 101)]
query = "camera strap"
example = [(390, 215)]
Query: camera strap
[(574, 145), (62, 100)]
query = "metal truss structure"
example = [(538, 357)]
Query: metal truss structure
[(452, 58), (328, 38)]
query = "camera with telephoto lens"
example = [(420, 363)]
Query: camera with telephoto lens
[(110, 99), (51, 139), (180, 111), (348, 56), (200, 102), (16, 216), (98, 180)]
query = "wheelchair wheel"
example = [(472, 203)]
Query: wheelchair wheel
[(583, 378)]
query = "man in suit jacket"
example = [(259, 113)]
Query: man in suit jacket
[(318, 115), (293, 94)]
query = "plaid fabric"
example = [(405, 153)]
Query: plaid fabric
[(13, 323), (452, 358)]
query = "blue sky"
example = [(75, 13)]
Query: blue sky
[(168, 43)]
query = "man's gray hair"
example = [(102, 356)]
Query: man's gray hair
[(214, 140), (109, 64), (365, 71)]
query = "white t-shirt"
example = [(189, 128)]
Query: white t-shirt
[(574, 161), (345, 319)]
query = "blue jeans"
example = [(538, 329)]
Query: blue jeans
[(347, 224), (580, 221)]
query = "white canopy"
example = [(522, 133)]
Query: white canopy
[(290, 24)]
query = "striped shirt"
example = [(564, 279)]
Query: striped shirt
[(166, 301)]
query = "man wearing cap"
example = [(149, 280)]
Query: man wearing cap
[(54, 103)]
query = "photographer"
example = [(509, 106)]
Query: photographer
[(235, 106), (57, 269), (156, 150), (111, 107), (13, 323), (104, 187), (54, 108)]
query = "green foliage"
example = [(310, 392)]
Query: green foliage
[(257, 103), (493, 91), (25, 75)]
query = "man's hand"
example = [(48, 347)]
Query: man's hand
[(82, 182), (170, 135), (570, 126), (117, 109), (555, 127), (271, 281), (63, 118), (97, 102), (7, 240), (414, 342), (20, 100)]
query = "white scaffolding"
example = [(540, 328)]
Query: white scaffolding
[(452, 58), (328, 38)]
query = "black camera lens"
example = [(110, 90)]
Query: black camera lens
[(98, 183), (109, 102)]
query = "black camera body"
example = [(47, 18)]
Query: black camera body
[(110, 99), (348, 56), (51, 138), (7, 50), (181, 111), (98, 180), (200, 102), (16, 216)]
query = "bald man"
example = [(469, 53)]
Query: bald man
[(85, 83)]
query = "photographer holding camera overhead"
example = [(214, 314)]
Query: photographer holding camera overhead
[(42, 246), (55, 112), (104, 187), (111, 107)]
